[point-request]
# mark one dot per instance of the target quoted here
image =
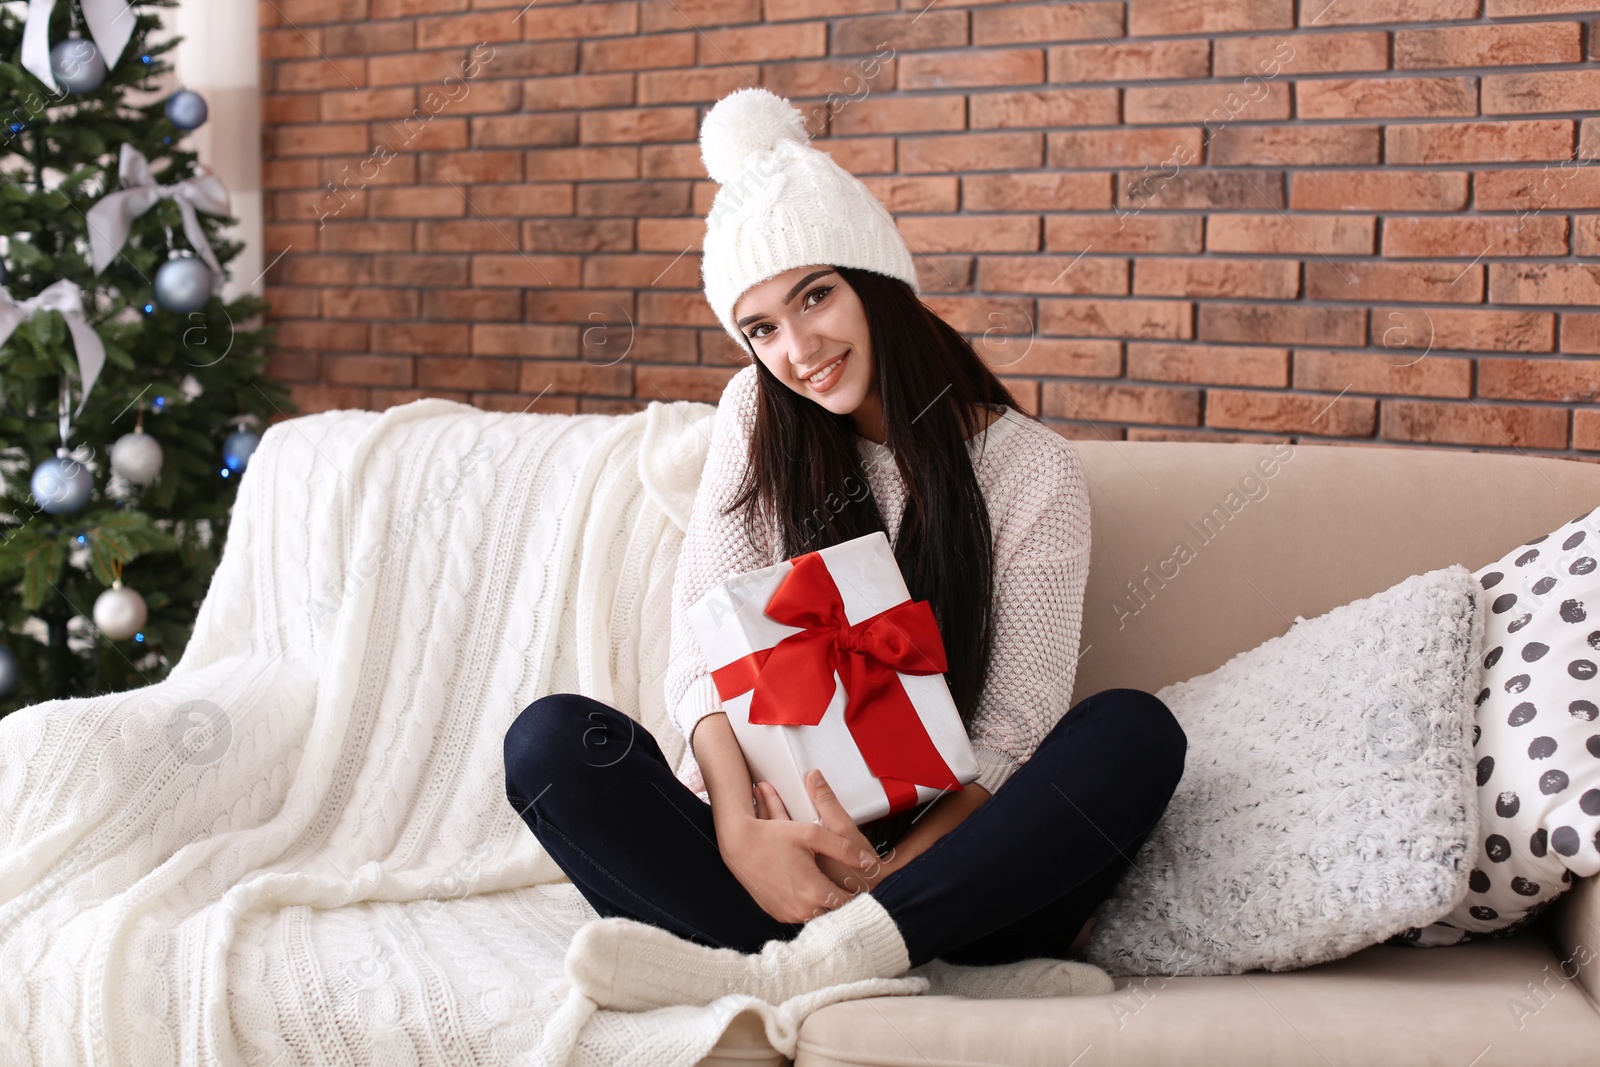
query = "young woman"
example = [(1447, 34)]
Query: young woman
[(861, 410)]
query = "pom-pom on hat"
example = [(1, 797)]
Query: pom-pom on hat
[(783, 204)]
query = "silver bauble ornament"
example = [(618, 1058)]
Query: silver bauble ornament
[(77, 65), (61, 484), (236, 450), (119, 612), (137, 457), (183, 284), (186, 109), (8, 671)]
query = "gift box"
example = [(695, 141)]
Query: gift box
[(823, 661)]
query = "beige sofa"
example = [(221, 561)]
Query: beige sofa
[(1331, 524)]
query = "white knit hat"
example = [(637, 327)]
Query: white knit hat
[(783, 204)]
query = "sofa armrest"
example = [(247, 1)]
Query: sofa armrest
[(1573, 926)]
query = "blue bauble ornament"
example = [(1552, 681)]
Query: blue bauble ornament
[(61, 484), (237, 448), (8, 670), (77, 65), (186, 109), (183, 284)]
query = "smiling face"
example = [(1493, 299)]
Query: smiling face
[(799, 323)]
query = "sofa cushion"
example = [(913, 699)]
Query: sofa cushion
[(1385, 1004), (1537, 740), (1327, 798)]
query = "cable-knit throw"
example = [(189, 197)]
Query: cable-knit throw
[(296, 849)]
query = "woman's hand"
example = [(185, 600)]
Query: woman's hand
[(851, 878), (774, 859), (780, 862)]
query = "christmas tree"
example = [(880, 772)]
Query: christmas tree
[(130, 394)]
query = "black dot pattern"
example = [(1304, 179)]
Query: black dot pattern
[(1537, 739)]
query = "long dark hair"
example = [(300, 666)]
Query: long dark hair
[(806, 482)]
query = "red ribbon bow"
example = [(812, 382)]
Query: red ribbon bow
[(793, 680)]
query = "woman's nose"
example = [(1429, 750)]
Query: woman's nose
[(806, 349)]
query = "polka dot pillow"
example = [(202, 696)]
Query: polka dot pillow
[(1537, 739)]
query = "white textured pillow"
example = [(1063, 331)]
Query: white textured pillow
[(1327, 799), (1538, 735)]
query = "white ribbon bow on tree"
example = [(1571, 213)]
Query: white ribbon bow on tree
[(113, 214), (110, 26), (67, 298)]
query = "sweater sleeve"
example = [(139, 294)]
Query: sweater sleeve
[(1038, 622), (714, 547)]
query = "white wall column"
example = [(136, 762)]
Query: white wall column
[(219, 58)]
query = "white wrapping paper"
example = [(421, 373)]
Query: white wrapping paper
[(730, 623)]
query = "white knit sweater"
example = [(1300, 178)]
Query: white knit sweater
[(1034, 484)]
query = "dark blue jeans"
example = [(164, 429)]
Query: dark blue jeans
[(1016, 879)]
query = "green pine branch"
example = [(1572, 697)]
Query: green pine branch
[(187, 374)]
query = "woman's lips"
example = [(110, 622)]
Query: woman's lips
[(833, 376)]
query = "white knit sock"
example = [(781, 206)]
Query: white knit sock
[(1013, 981), (626, 965)]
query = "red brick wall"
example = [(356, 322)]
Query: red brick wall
[(1362, 221)]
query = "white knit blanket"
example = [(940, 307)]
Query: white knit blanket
[(296, 849)]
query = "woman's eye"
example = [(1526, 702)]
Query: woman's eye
[(820, 292)]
